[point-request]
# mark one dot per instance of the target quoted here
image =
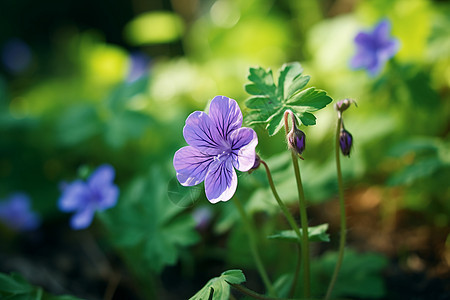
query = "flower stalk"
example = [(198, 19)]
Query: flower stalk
[(342, 212), (253, 248), (302, 207), (283, 207), (340, 107)]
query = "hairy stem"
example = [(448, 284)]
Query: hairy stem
[(303, 214), (254, 248), (342, 211), (283, 207)]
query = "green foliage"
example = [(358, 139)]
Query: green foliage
[(360, 275), (15, 287), (218, 288), (151, 230), (270, 101), (430, 156), (315, 234)]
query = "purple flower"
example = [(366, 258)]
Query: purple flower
[(374, 48), (16, 213), (16, 55), (217, 145), (202, 216), (139, 66), (84, 198)]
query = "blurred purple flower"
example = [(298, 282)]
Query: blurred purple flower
[(16, 213), (139, 66), (84, 198), (16, 55), (202, 216), (374, 48), (217, 145)]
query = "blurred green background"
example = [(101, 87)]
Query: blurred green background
[(89, 82)]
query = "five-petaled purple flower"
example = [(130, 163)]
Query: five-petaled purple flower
[(374, 48), (84, 198), (16, 213), (217, 145)]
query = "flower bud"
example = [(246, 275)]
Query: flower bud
[(342, 105), (256, 164), (296, 140), (345, 142)]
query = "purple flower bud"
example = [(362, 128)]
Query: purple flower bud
[(342, 105), (345, 142), (296, 140), (256, 164)]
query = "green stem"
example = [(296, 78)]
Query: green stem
[(303, 214), (253, 247), (283, 207), (342, 211), (297, 271)]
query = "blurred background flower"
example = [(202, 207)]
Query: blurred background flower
[(374, 48), (16, 55), (85, 198), (16, 213)]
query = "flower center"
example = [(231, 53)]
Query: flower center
[(226, 149)]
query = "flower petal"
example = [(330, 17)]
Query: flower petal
[(381, 32), (191, 165), (226, 115), (108, 198), (364, 40), (201, 133), (102, 176), (375, 68), (361, 59), (389, 49), (74, 196), (243, 141), (220, 181), (82, 219)]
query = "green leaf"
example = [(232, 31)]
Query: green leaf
[(269, 102), (78, 124), (14, 284), (291, 80), (234, 276), (15, 287), (311, 99), (298, 83), (360, 275), (218, 288), (150, 229), (315, 234), (275, 123), (263, 82), (307, 118)]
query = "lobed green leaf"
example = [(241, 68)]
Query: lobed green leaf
[(311, 98), (263, 82), (270, 101), (315, 234), (218, 288)]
